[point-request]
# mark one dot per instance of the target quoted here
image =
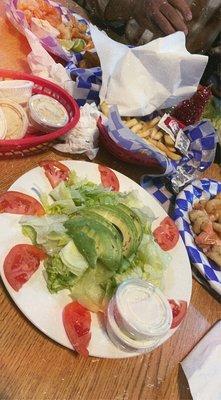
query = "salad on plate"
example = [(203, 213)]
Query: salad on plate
[(90, 237)]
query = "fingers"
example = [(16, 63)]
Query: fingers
[(183, 7), (173, 17), (163, 23)]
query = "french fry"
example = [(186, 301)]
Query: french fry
[(131, 122), (157, 135), (136, 128), (104, 108), (172, 149), (152, 122), (170, 154), (168, 140), (155, 144), (144, 133), (153, 132)]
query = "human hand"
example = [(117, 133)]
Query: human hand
[(170, 16)]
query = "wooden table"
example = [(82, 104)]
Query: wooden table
[(35, 368)]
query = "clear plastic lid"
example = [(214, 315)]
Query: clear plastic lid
[(16, 90), (142, 310), (47, 111), (121, 338)]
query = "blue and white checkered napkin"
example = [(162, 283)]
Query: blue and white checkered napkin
[(88, 83), (199, 189), (156, 187)]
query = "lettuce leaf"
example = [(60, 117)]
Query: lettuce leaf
[(57, 275), (149, 263), (47, 231), (94, 288)]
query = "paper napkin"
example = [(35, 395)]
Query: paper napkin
[(202, 366), (143, 79)]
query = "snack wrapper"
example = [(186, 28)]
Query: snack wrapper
[(50, 43), (201, 151)]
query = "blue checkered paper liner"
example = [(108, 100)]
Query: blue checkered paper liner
[(198, 189), (88, 83), (201, 152), (156, 187)]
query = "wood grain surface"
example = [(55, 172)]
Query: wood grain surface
[(32, 367)]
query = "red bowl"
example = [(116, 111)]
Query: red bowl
[(39, 139)]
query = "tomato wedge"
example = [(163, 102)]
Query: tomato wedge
[(108, 178), (166, 234), (21, 263), (77, 323), (19, 203), (179, 309), (55, 171)]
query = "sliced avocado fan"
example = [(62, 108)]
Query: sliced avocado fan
[(95, 239), (127, 224)]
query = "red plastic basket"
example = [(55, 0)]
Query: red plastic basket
[(127, 156), (38, 140)]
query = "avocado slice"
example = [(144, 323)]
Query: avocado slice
[(124, 224), (136, 220), (95, 241), (89, 213)]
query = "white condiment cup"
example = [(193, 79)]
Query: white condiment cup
[(139, 315), (16, 90), (46, 113)]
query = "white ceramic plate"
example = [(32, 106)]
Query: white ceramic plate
[(43, 309)]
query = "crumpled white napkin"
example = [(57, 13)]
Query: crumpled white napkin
[(84, 137), (43, 65), (202, 366), (143, 79)]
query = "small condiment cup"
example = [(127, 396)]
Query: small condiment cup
[(138, 316)]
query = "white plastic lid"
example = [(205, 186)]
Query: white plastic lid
[(122, 340), (16, 90), (3, 125), (142, 309), (47, 111), (14, 84)]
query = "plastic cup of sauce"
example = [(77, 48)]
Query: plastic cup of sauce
[(138, 316), (46, 113)]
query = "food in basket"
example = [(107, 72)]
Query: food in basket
[(70, 32), (205, 218), (149, 131), (90, 60), (16, 90), (15, 118), (46, 113)]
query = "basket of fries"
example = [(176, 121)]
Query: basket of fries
[(159, 142)]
